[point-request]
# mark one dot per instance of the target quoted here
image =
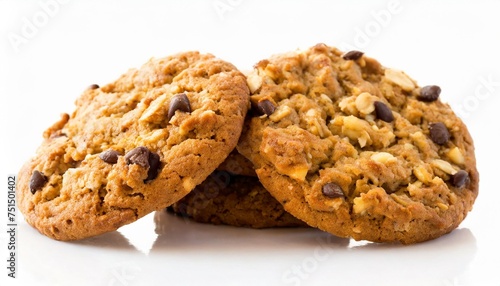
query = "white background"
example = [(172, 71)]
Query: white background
[(51, 50)]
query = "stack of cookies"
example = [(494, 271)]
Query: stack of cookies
[(316, 138)]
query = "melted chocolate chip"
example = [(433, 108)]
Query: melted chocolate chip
[(139, 156), (109, 156), (460, 179), (439, 133), (383, 112), (266, 107), (352, 55), (178, 102), (154, 166), (429, 93), (37, 181), (332, 190)]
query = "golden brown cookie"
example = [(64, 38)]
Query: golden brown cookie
[(234, 200), (133, 146), (358, 149)]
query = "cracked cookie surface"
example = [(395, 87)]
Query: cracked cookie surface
[(358, 149), (133, 146)]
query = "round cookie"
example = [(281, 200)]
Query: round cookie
[(234, 200), (133, 146), (357, 149)]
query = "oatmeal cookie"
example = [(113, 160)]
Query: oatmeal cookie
[(358, 149), (133, 146)]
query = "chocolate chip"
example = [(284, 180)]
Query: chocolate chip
[(460, 179), (139, 156), (145, 158), (154, 166), (383, 112), (429, 93), (439, 133), (109, 156), (179, 102), (352, 55), (37, 181), (332, 190), (266, 107), (93, 86)]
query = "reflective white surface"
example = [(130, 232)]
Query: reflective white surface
[(50, 50), (162, 248)]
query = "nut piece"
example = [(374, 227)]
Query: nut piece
[(456, 156), (422, 174), (348, 105), (314, 122), (415, 189), (359, 206), (402, 199), (442, 206), (188, 183), (399, 78), (272, 71), (155, 111), (443, 166), (355, 129), (254, 82), (365, 103), (280, 113), (383, 157)]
